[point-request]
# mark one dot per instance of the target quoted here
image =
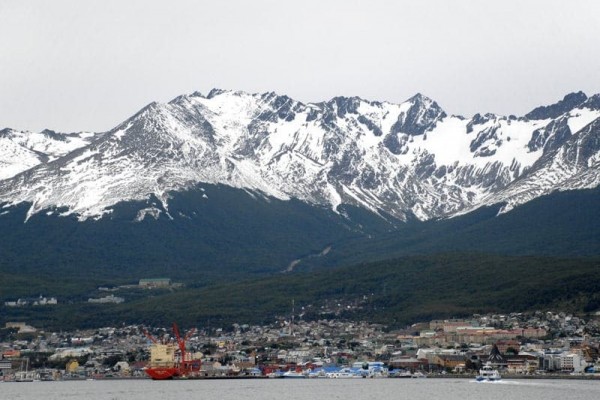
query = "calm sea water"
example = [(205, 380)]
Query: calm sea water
[(280, 389)]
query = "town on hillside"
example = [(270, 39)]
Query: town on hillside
[(538, 344)]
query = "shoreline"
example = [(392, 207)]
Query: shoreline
[(518, 376)]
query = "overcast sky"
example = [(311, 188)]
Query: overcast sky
[(88, 65)]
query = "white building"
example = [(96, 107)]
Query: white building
[(108, 299), (571, 362)]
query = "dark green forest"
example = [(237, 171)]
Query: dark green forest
[(394, 292), (230, 253)]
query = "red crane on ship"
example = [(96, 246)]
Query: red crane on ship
[(185, 365)]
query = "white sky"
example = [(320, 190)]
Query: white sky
[(88, 65)]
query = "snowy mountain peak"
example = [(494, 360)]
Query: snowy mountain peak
[(568, 103), (422, 115), (215, 92), (420, 98), (5, 132), (402, 160), (592, 103)]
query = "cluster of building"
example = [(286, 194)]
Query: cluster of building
[(520, 344), (147, 283), (35, 301)]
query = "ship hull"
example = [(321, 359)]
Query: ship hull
[(162, 373)]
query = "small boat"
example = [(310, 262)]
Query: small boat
[(488, 374), (275, 374), (403, 374), (25, 375), (343, 375), (293, 374)]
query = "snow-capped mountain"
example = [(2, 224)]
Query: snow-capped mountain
[(405, 160), (20, 151)]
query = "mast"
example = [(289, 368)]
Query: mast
[(292, 322)]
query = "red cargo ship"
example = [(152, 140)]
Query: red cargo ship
[(166, 362)]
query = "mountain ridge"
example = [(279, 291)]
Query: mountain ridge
[(405, 160)]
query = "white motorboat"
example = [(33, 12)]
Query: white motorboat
[(488, 374)]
